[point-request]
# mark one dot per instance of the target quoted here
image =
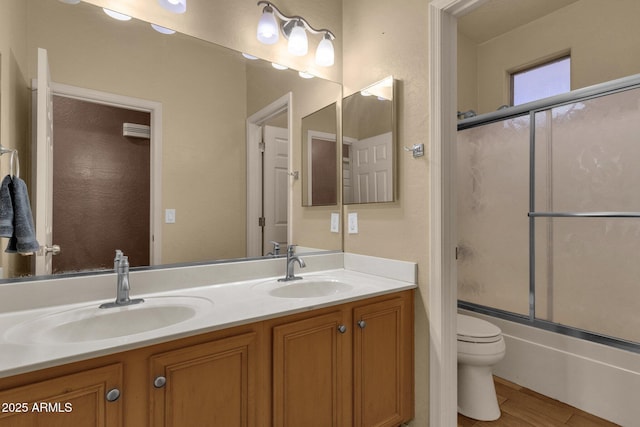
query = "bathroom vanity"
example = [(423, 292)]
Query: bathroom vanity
[(285, 359)]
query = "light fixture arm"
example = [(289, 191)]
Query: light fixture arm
[(289, 21)]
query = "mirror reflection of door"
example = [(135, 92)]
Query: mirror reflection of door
[(101, 185), (275, 186), (323, 169)]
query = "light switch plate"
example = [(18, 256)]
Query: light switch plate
[(353, 222), (169, 216), (335, 222)]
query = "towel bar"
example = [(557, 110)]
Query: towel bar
[(14, 160)]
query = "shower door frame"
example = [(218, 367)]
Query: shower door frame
[(531, 109)]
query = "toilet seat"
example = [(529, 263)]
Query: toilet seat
[(474, 330)]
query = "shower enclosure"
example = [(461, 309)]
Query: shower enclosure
[(549, 213)]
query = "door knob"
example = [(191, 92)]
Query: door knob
[(53, 249)]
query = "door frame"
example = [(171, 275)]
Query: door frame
[(254, 170), (443, 292), (155, 110)]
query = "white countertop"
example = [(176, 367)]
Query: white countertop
[(233, 303)]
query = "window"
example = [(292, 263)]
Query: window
[(542, 81)]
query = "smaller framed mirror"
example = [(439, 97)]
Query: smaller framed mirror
[(320, 157), (369, 144)]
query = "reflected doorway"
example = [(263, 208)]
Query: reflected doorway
[(101, 185), (268, 177)]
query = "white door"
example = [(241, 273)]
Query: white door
[(372, 169), (276, 180), (43, 166)]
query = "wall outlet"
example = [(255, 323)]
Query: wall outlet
[(353, 223), (169, 216), (335, 222)]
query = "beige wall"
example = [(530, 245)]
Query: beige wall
[(384, 38), (601, 36), (14, 105)]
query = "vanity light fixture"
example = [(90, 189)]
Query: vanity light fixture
[(295, 29), (278, 66), (249, 56), (70, 1), (175, 6), (305, 75), (116, 15)]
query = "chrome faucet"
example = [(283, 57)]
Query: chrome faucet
[(121, 267), (276, 249), (290, 261)]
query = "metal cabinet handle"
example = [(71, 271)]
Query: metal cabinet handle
[(342, 329), (362, 324), (159, 382), (113, 395)]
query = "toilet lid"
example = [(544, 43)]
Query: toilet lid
[(472, 329)]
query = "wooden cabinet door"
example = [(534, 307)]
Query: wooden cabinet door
[(206, 385), (70, 400), (311, 385), (383, 363)]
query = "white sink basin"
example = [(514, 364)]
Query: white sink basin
[(90, 323), (312, 287)]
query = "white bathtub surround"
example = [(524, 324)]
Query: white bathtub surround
[(234, 289), (596, 378)]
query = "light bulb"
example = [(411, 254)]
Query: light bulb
[(175, 6), (298, 44), (268, 27), (324, 53)]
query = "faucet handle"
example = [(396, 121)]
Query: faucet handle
[(291, 249), (117, 259)]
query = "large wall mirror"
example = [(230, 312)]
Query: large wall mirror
[(320, 157), (194, 158), (368, 144)]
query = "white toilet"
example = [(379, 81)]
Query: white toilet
[(480, 346)]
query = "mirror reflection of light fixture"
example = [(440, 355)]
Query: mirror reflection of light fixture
[(70, 1), (305, 75), (278, 66), (162, 30), (295, 29), (175, 6), (116, 15)]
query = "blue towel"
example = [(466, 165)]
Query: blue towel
[(23, 239), (6, 208)]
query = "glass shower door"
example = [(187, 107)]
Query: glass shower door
[(587, 191), (493, 228)]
